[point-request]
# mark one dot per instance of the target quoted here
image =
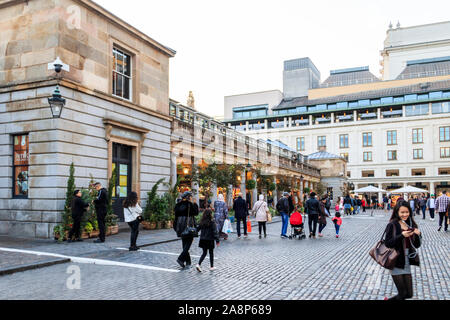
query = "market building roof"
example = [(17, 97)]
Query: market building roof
[(323, 155), (345, 77), (426, 68)]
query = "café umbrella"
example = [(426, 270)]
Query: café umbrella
[(369, 190)]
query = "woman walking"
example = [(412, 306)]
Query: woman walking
[(323, 214), (78, 208), (220, 214), (403, 234), (185, 211), (209, 234), (261, 210), (132, 214)]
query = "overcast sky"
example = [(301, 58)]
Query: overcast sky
[(238, 46)]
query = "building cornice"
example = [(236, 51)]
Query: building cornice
[(46, 82), (91, 5), (124, 25)]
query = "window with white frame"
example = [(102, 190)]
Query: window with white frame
[(417, 135), (122, 77)]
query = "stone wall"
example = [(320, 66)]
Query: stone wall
[(82, 34), (79, 137)]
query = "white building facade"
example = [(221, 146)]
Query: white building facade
[(394, 131)]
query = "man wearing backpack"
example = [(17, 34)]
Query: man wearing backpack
[(312, 208), (283, 209)]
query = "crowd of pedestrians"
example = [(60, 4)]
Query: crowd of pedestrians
[(402, 233)]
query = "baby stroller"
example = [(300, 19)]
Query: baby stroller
[(297, 226)]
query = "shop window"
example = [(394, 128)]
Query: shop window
[(20, 166)]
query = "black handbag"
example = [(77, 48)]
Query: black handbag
[(190, 230)]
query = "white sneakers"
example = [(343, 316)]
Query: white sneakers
[(199, 269)]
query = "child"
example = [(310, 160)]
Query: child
[(337, 220), (209, 233)]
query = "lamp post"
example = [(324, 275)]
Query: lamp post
[(57, 102)]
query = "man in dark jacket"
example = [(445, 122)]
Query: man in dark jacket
[(240, 208), (283, 209), (291, 204), (185, 211), (312, 209), (78, 208), (100, 208)]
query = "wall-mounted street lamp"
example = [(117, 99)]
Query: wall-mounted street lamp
[(57, 102)]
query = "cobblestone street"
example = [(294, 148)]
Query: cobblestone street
[(253, 269)]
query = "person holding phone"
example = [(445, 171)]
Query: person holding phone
[(403, 234)]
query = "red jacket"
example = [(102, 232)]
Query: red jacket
[(337, 220)]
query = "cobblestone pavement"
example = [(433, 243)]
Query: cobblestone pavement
[(253, 269)]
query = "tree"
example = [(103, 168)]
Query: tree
[(67, 220), (152, 208), (111, 219)]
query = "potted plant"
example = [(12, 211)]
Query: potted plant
[(87, 231), (61, 234), (153, 222)]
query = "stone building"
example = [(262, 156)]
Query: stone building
[(198, 139), (333, 170), (115, 82)]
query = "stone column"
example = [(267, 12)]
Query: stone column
[(255, 191), (432, 188), (229, 199), (275, 192), (403, 111), (378, 113), (214, 193), (355, 115), (285, 122), (195, 192), (311, 120), (173, 169), (290, 122), (243, 182), (266, 124), (246, 126), (301, 189), (332, 117)]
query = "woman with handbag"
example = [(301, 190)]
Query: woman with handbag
[(261, 211), (132, 214), (184, 225), (403, 235), (221, 214)]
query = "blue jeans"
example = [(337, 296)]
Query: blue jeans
[(285, 222), (337, 228)]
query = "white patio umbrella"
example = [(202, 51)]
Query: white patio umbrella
[(369, 190), (410, 189)]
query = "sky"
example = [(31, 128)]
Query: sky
[(239, 46)]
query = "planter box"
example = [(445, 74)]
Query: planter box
[(159, 224), (112, 230), (169, 224), (85, 235), (146, 225), (94, 234), (65, 237)]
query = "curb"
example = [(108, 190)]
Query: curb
[(26, 267)]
